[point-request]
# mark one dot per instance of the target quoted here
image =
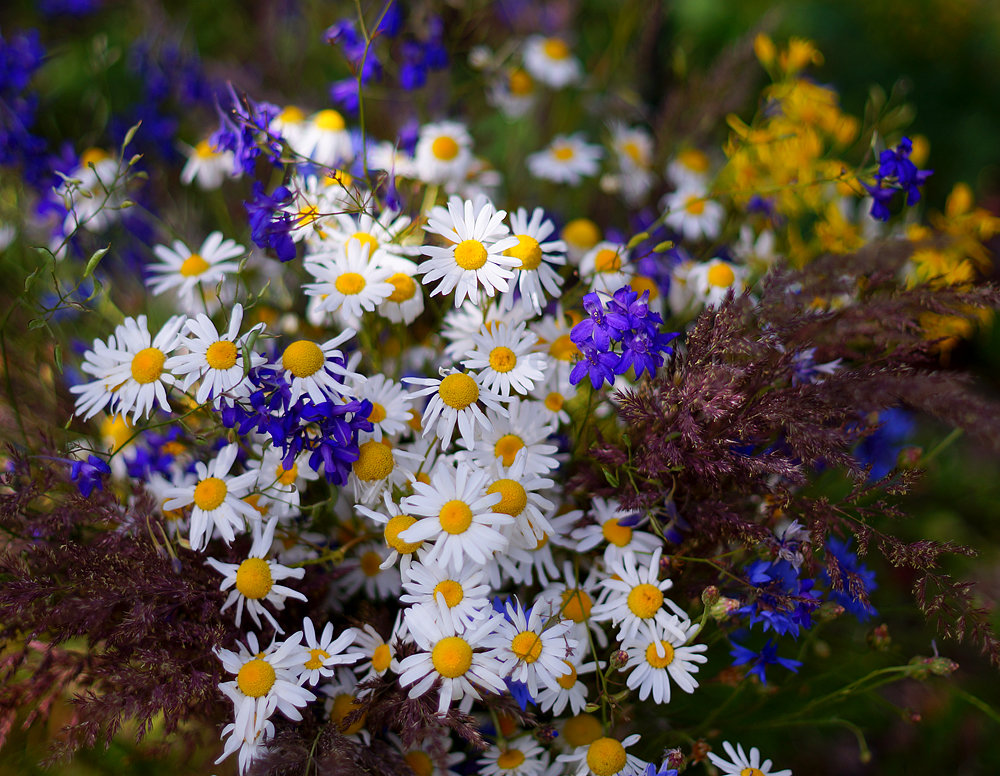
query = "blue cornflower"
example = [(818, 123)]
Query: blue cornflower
[(896, 173), (663, 770), (768, 655), (597, 364), (848, 563), (779, 582), (270, 226), (881, 449), (88, 474)]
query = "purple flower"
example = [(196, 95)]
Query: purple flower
[(269, 224), (88, 474), (848, 563), (601, 327), (896, 173), (759, 661), (244, 129), (596, 364)]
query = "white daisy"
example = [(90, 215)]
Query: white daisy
[(291, 125), (206, 166), (710, 281), (443, 153), (502, 355), (535, 277), (92, 192), (567, 159), (524, 426), (568, 689), (690, 168), (217, 498), (384, 235), (391, 414), (693, 214), (251, 743), (455, 400), (364, 571), (319, 371), (602, 267), (521, 756), (605, 757), (406, 301), (553, 393), (394, 522), (739, 764), (462, 324), (345, 706), (459, 599), (327, 139), (347, 283), (655, 662), (130, 370), (325, 652), (374, 654), (316, 200), (554, 340), (573, 599), (254, 579), (513, 92), (186, 270), (615, 526), (522, 500), (634, 148), (475, 257), (279, 486), (551, 61)]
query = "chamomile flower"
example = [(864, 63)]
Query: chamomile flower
[(502, 355), (324, 652), (206, 166), (521, 756), (530, 649), (634, 148), (374, 655), (689, 169), (462, 325), (347, 283), (573, 600), (217, 498), (524, 426), (390, 415), (365, 571), (693, 213), (443, 153), (474, 261), (254, 580), (741, 764), (451, 657), (553, 393), (315, 201), (185, 270), (551, 61), (431, 756), (92, 192), (535, 277), (605, 757), (615, 526), (406, 301), (327, 139), (291, 125), (567, 159), (602, 267), (657, 662), (514, 92), (217, 360), (522, 500), (458, 599), (383, 235), (554, 340), (395, 522), (455, 401), (279, 486), (568, 689), (318, 371), (455, 511), (710, 281), (130, 370), (344, 706)]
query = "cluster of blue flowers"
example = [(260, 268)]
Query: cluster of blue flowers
[(896, 173), (244, 130), (270, 225), (625, 319), (20, 56)]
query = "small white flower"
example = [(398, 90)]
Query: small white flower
[(186, 270), (455, 401), (502, 355), (459, 599), (530, 649), (623, 540), (207, 167), (710, 281), (347, 283), (567, 159), (536, 276), (602, 267), (739, 764), (657, 662), (443, 153), (524, 426), (605, 757), (325, 652), (327, 140), (551, 61), (693, 213), (521, 756), (319, 371), (374, 654)]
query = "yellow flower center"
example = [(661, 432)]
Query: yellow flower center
[(193, 266), (303, 358), (455, 517), (403, 287), (370, 563), (513, 497), (655, 660), (329, 120), (582, 730), (147, 365), (694, 160), (210, 493), (221, 354), (694, 205), (452, 656), (394, 528), (555, 48), (307, 215), (117, 429), (291, 115), (607, 260), (502, 359), (366, 240), (616, 534), (204, 150), (562, 152), (316, 658), (451, 590), (470, 254), (640, 284), (285, 476), (377, 415), (350, 283), (632, 151), (581, 233), (576, 605), (563, 348), (606, 756), (720, 275), (423, 477), (509, 759), (527, 646), (256, 678), (381, 658), (751, 772), (444, 148), (554, 402), (343, 705), (93, 156), (527, 250), (253, 578), (374, 462), (420, 763), (566, 681), (520, 83), (645, 600), (458, 391), (507, 448)]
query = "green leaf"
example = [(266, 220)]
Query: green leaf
[(95, 260), (57, 356)]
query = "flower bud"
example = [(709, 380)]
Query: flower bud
[(710, 596), (723, 608), (879, 638), (619, 659)]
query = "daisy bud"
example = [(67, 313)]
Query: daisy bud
[(879, 638), (723, 608), (619, 659), (710, 596), (674, 758)]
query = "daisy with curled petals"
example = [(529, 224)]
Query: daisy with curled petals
[(181, 268), (443, 153), (130, 370), (217, 498), (502, 356), (615, 526), (347, 283), (458, 599), (206, 166), (254, 579), (382, 234), (535, 276), (568, 689), (551, 61), (326, 139), (216, 360), (605, 757), (454, 510), (521, 756), (692, 213), (380, 466), (265, 682), (250, 743), (474, 258), (740, 764), (710, 281), (455, 400), (451, 657), (567, 159), (406, 301), (654, 664), (530, 649), (318, 371), (323, 653)]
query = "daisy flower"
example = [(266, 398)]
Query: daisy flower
[(693, 214), (551, 61), (455, 400), (614, 525), (394, 522), (710, 281), (553, 394), (513, 92), (217, 498), (523, 427), (502, 355), (406, 301), (315, 201), (365, 571), (216, 360), (290, 124), (443, 153), (382, 234), (130, 370), (521, 499), (431, 757), (325, 652), (605, 757), (279, 487), (458, 599), (207, 167), (530, 649), (521, 756), (318, 371), (580, 730), (451, 657), (567, 159), (554, 340), (689, 169), (568, 690), (573, 599), (347, 283), (92, 192), (462, 324), (343, 702), (455, 511), (474, 258), (391, 414), (602, 266), (535, 277), (186, 270), (374, 654), (633, 147), (655, 662), (265, 682), (739, 764), (254, 579), (327, 140), (250, 743)]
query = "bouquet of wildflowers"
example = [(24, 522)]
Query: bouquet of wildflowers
[(394, 440)]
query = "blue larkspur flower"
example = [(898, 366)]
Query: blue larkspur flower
[(896, 173), (89, 474), (270, 225)]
